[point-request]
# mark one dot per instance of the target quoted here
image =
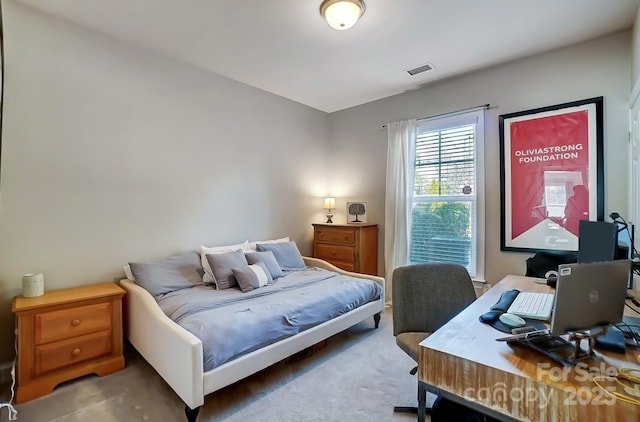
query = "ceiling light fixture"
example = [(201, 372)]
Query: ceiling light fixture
[(342, 14)]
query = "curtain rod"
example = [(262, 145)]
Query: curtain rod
[(484, 106)]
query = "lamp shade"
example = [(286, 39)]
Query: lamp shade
[(330, 203), (342, 14)]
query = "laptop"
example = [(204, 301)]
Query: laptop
[(589, 295)]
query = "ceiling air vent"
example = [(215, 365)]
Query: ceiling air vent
[(420, 69)]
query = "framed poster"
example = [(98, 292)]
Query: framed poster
[(551, 175), (356, 212)]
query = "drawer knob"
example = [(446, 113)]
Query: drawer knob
[(75, 322), (346, 236), (75, 353)]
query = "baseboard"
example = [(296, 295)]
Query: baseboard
[(5, 372)]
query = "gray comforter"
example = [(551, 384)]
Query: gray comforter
[(231, 323)]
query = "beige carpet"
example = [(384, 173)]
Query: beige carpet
[(358, 375)]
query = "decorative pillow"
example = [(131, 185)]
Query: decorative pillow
[(286, 253), (173, 273), (221, 265), (269, 260), (127, 272), (251, 277), (252, 246), (208, 274)]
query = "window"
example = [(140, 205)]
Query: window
[(558, 187), (448, 208)]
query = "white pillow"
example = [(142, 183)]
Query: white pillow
[(128, 273), (252, 245), (204, 251)]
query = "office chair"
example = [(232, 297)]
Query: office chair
[(424, 298)]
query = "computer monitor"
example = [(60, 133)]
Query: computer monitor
[(589, 295), (597, 241), (603, 241)]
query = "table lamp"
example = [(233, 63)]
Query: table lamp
[(329, 205)]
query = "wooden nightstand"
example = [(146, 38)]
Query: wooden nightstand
[(352, 247), (65, 334)]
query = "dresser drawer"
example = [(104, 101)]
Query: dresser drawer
[(336, 235), (347, 266), (352, 247), (73, 322), (68, 352), (335, 252)]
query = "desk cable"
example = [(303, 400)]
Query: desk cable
[(12, 411), (625, 378), (632, 308), (616, 217), (629, 331)]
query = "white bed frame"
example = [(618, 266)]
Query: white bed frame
[(176, 354)]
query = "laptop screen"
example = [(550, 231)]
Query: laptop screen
[(589, 295)]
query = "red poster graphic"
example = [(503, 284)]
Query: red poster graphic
[(558, 143)]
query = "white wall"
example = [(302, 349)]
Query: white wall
[(634, 171), (635, 71), (600, 67), (111, 153)]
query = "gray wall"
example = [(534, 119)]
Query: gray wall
[(112, 153), (600, 67)]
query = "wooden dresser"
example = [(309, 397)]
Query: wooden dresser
[(65, 334), (352, 247)]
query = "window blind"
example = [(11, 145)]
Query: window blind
[(444, 214)]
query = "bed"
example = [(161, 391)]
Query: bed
[(176, 351)]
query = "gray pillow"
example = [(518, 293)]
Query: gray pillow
[(253, 276), (269, 261), (221, 265), (286, 253), (173, 273)]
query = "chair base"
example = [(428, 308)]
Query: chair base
[(410, 409)]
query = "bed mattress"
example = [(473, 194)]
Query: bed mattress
[(231, 323)]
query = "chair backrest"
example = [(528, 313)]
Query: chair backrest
[(426, 296)]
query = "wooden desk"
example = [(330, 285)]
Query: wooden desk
[(463, 362)]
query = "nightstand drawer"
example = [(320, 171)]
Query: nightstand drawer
[(335, 252), (336, 235), (73, 322), (68, 352)]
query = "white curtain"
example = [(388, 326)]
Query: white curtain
[(399, 196)]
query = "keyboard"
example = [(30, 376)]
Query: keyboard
[(532, 305)]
